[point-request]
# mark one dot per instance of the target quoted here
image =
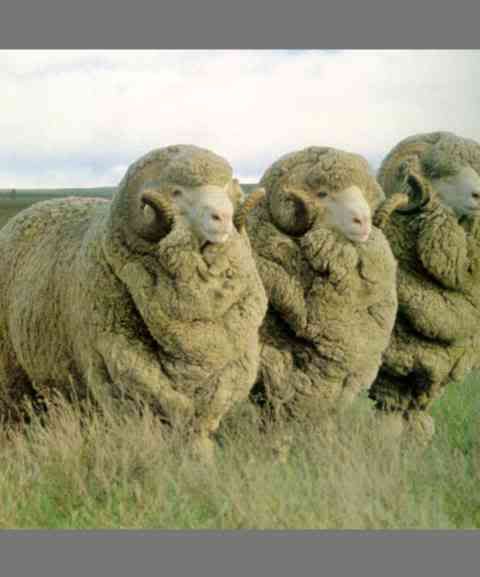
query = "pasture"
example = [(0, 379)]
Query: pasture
[(118, 470), (23, 198)]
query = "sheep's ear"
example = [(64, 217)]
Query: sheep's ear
[(419, 192), (291, 210), (240, 218)]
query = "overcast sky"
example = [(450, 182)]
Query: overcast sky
[(79, 118)]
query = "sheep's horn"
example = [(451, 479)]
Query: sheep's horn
[(164, 215), (240, 218), (395, 202), (291, 209), (419, 193), (303, 209)]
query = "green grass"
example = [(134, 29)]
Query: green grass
[(24, 198), (120, 470)]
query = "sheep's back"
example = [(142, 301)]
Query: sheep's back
[(39, 249)]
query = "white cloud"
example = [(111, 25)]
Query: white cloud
[(80, 117)]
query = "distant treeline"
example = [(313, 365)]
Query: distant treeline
[(105, 191)]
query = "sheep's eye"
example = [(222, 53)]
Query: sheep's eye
[(177, 192), (322, 194), (476, 195)]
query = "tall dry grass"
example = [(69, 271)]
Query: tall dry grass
[(119, 470)]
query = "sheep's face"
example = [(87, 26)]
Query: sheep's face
[(349, 212), (209, 210), (460, 191)]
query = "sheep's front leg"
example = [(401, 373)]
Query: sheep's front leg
[(231, 386), (285, 294), (135, 371)]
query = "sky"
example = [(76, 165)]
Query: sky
[(79, 118)]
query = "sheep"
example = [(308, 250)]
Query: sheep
[(330, 281), (436, 240), (120, 302)]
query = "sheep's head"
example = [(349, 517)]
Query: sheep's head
[(349, 212), (438, 165), (186, 181), (345, 210), (208, 209), (333, 191), (460, 191)]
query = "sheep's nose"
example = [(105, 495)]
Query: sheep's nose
[(362, 221)]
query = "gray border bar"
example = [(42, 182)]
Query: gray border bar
[(242, 553), (254, 24)]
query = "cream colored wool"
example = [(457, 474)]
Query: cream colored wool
[(95, 297), (332, 302), (436, 338)]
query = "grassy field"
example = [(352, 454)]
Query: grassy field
[(25, 197), (119, 470)]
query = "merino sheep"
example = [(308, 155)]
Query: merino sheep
[(118, 301), (330, 280), (436, 239)]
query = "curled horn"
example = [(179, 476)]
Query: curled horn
[(303, 209), (417, 188), (292, 210), (240, 218), (420, 196), (419, 193), (164, 219), (388, 207)]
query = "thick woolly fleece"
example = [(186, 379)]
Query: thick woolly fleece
[(332, 303), (434, 155), (87, 307), (436, 338)]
